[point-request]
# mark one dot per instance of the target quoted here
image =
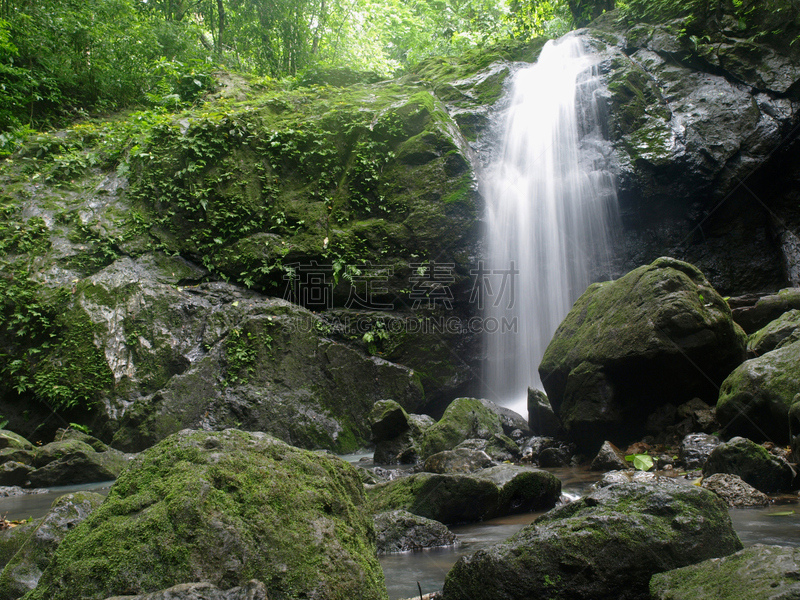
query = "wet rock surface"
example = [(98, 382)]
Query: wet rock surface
[(696, 448)]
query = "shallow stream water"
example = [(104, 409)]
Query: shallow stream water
[(770, 525)]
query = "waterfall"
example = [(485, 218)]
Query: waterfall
[(551, 203)]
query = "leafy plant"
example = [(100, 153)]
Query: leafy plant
[(641, 462)]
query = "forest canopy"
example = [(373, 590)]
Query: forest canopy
[(59, 58)]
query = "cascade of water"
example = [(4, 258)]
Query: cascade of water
[(551, 207)]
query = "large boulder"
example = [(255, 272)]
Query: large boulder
[(658, 335), (754, 400), (760, 571), (463, 419), (767, 309), (541, 418), (203, 505), (401, 531), (489, 493), (606, 545), (753, 463), (23, 570), (460, 460)]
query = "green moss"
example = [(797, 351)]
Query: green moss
[(463, 419), (160, 524)]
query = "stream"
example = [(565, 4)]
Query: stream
[(770, 525)]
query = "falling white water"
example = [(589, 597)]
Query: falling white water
[(551, 205)]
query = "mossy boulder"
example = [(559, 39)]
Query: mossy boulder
[(460, 460), (660, 334), (781, 332), (605, 546), (203, 505), (753, 463), (761, 571), (463, 419), (22, 572), (767, 309), (464, 498), (754, 400), (396, 433), (401, 531), (72, 461)]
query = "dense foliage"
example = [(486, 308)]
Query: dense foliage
[(59, 58)]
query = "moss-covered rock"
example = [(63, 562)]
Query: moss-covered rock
[(781, 332), (9, 439), (205, 505), (463, 498), (606, 545), (754, 400), (22, 572), (760, 571), (12, 539), (753, 463), (459, 460), (72, 461), (659, 334), (463, 419)]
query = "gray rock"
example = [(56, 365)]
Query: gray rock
[(387, 420), (22, 572), (609, 458), (733, 490), (753, 463), (401, 531), (695, 450), (757, 572), (16, 455), (459, 460), (702, 416), (605, 546), (541, 418), (253, 590), (767, 309)]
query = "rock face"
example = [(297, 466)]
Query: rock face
[(23, 570), (754, 400), (702, 96), (757, 572), (753, 463), (659, 334), (733, 490), (401, 531), (606, 545), (486, 494), (541, 418), (204, 505)]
